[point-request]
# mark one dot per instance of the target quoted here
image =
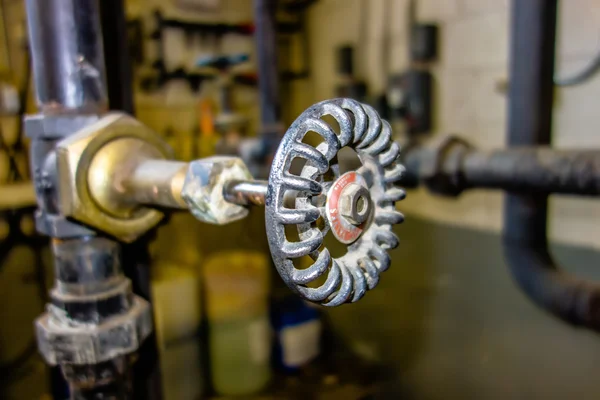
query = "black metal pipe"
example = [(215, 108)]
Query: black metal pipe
[(68, 64), (106, 380), (534, 170), (533, 28), (264, 20), (145, 374), (522, 170), (530, 170), (116, 54), (67, 57)]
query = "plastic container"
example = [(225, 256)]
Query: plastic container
[(239, 332), (177, 316), (298, 330)]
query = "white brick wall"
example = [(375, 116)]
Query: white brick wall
[(473, 61)]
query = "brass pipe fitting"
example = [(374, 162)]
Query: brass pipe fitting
[(157, 182), (95, 170), (116, 174)]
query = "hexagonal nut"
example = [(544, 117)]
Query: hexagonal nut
[(75, 156), (203, 189), (64, 341), (56, 126), (355, 203)]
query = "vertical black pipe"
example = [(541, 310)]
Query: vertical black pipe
[(530, 123), (66, 55), (266, 50), (146, 373), (533, 28), (146, 377), (116, 55), (136, 259)]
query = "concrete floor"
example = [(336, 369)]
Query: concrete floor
[(446, 319), (450, 324)]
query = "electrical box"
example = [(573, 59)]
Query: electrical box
[(350, 86), (424, 43), (409, 97)]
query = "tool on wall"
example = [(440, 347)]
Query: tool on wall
[(190, 29)]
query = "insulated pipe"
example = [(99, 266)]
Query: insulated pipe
[(533, 30), (67, 56)]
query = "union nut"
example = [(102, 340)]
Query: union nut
[(63, 341), (441, 165), (203, 189), (90, 161)]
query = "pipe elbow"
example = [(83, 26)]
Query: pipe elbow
[(574, 300)]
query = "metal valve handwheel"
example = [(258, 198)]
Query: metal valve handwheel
[(358, 206)]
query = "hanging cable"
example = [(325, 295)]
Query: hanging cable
[(583, 76)]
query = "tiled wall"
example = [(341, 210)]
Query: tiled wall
[(472, 66)]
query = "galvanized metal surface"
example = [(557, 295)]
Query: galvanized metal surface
[(347, 277)]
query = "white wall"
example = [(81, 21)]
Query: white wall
[(473, 64)]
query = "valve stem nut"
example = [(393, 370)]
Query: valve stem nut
[(355, 204), (203, 188)]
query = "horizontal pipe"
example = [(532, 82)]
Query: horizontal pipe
[(534, 170), (452, 169), (158, 183)]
